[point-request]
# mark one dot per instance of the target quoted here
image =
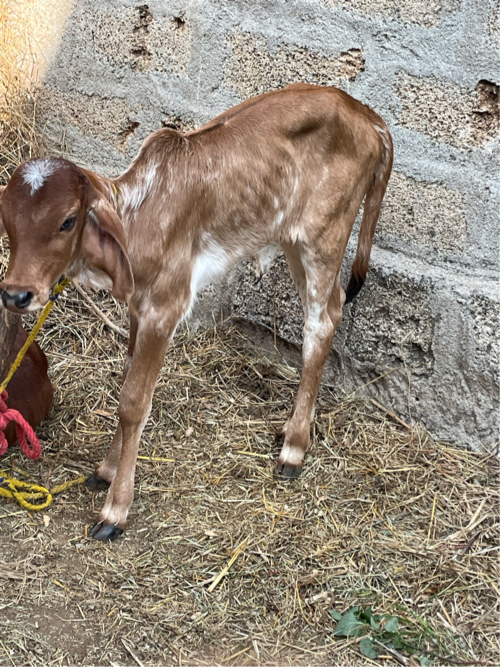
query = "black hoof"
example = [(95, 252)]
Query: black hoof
[(95, 483), (105, 532), (287, 471)]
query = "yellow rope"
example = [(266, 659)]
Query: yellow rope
[(32, 491), (9, 485), (43, 316)]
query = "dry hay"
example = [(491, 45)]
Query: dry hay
[(19, 137), (383, 516)]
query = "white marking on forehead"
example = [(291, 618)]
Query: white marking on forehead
[(36, 171)]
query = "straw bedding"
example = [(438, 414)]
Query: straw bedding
[(222, 563), (383, 516)]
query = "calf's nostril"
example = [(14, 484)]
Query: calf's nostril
[(18, 299), (23, 299)]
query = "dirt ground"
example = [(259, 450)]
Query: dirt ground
[(382, 517)]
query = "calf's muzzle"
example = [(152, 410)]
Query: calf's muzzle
[(17, 300)]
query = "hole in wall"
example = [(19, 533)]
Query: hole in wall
[(179, 22), (129, 129), (145, 17), (488, 94)]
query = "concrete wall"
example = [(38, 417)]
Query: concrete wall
[(430, 307)]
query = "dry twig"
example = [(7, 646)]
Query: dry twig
[(119, 330)]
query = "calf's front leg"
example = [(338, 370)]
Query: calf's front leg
[(153, 337), (106, 470)]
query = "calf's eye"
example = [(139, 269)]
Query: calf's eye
[(68, 224)]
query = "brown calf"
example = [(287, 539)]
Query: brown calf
[(287, 169), (30, 390)]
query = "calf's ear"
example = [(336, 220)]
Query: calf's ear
[(104, 245)]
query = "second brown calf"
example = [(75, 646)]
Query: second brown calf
[(30, 390), (287, 170)]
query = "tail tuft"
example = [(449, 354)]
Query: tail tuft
[(354, 286)]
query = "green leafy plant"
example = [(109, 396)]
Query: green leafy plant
[(379, 632)]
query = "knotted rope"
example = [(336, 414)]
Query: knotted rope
[(24, 492), (24, 431)]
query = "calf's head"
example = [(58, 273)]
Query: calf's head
[(60, 221)]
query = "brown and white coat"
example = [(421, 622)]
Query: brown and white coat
[(288, 169)]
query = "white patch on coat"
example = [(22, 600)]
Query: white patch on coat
[(95, 278), (264, 258), (385, 136), (297, 234), (316, 328), (35, 172), (278, 219), (132, 198), (209, 264), (160, 320)]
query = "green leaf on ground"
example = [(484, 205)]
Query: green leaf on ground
[(366, 648), (349, 626), (391, 624), (336, 614)]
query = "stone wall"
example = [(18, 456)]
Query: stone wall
[(427, 319)]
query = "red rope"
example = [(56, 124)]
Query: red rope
[(23, 430)]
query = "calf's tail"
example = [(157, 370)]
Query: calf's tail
[(373, 202)]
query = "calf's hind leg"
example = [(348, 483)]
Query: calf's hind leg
[(323, 314)]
